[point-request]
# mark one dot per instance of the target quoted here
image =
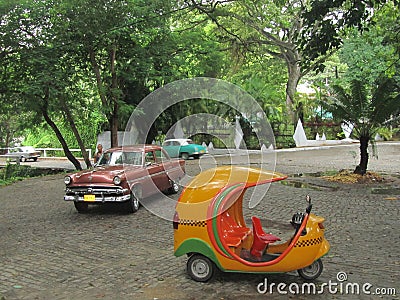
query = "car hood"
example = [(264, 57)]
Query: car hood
[(101, 174)]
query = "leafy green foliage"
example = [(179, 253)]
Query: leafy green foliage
[(86, 64), (366, 109), (257, 29), (367, 57), (326, 22), (15, 172)]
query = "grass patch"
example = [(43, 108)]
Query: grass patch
[(346, 176), (14, 172)]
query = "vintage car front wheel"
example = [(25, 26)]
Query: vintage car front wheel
[(185, 155), (133, 203), (81, 207)]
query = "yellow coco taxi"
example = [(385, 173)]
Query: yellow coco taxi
[(210, 228)]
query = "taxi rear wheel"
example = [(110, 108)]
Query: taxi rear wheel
[(200, 268), (312, 271)]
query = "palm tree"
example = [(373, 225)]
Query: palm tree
[(367, 110)]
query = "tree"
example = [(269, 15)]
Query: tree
[(114, 39), (326, 23), (367, 110), (38, 66), (267, 30), (186, 52), (365, 56)]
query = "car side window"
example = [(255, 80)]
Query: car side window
[(120, 159), (161, 156), (134, 158), (104, 159), (149, 158)]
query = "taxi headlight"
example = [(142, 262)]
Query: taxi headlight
[(117, 180), (67, 180)]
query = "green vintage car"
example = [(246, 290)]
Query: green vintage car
[(183, 148)]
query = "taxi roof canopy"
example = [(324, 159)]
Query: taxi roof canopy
[(206, 185)]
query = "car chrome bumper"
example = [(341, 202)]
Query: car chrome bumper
[(98, 198)]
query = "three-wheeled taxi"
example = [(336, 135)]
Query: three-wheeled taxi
[(210, 228)]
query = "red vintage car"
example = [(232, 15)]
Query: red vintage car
[(125, 175)]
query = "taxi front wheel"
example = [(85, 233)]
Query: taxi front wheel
[(312, 271), (200, 268)]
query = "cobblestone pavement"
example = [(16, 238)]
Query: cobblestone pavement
[(49, 251)]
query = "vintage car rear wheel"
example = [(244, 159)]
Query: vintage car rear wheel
[(200, 268), (174, 189), (185, 155), (312, 271), (81, 207)]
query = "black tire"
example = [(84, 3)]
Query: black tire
[(185, 156), (35, 159), (133, 204), (312, 271), (81, 207), (200, 268), (175, 187)]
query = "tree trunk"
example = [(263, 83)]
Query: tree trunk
[(364, 156), (64, 145), (96, 70), (113, 118), (114, 125), (76, 133), (8, 139), (114, 97), (294, 75)]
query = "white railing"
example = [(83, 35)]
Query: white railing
[(44, 150)]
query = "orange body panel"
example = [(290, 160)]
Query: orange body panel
[(210, 222)]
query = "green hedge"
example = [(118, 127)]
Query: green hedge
[(14, 172)]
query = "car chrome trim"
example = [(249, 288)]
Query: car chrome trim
[(96, 190), (98, 199), (146, 177)]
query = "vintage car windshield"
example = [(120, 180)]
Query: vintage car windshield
[(121, 157), (187, 142)]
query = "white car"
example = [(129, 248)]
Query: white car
[(23, 153)]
